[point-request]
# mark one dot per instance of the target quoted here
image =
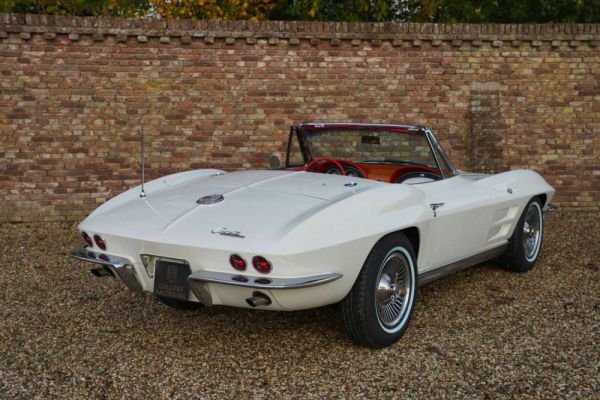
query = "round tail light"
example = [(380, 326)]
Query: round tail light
[(237, 262), (261, 264), (87, 239), (100, 242)]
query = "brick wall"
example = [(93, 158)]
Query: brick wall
[(73, 92)]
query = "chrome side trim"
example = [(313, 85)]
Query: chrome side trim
[(119, 266), (431, 275), (254, 282)]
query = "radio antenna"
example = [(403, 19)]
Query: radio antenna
[(142, 193)]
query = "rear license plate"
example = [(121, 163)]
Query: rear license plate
[(170, 280)]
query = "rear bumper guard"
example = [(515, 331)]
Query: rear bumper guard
[(119, 266)]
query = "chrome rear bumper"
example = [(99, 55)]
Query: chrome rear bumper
[(261, 282), (119, 266), (199, 281)]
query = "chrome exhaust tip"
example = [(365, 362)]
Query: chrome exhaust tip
[(258, 299), (102, 272)]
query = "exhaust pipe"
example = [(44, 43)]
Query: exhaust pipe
[(258, 299), (102, 272)]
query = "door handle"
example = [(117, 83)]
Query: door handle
[(434, 207)]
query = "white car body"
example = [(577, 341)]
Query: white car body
[(316, 229)]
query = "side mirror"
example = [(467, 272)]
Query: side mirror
[(274, 161)]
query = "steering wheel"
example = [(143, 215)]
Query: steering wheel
[(426, 175), (316, 161), (354, 170)]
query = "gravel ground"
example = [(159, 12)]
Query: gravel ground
[(481, 333)]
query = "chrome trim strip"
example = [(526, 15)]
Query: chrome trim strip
[(224, 278), (433, 141), (85, 254), (430, 140), (120, 267), (325, 124), (431, 275)]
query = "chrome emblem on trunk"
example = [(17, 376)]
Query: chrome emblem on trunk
[(212, 199), (227, 232)]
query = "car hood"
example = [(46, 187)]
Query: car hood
[(258, 205)]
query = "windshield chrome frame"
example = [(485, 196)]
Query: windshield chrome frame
[(434, 143), (413, 128), (300, 133)]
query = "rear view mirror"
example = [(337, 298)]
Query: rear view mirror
[(274, 161)]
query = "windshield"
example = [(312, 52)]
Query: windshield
[(371, 146)]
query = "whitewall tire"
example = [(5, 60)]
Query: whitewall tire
[(379, 307)]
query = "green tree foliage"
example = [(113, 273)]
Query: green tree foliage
[(254, 10), (474, 11), (504, 11), (126, 8), (332, 10)]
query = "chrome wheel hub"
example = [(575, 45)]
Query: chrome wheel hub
[(393, 289), (532, 235)]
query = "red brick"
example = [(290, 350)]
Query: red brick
[(224, 96)]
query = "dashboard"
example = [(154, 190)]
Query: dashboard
[(384, 172)]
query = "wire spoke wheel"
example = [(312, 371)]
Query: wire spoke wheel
[(393, 290), (378, 309), (531, 232), (524, 246)]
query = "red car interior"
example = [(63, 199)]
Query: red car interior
[(381, 172), (384, 172)]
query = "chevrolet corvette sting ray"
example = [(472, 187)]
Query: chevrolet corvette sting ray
[(359, 214)]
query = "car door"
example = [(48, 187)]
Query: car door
[(459, 224)]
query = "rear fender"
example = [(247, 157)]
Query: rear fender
[(152, 187)]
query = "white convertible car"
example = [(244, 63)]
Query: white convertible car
[(359, 214)]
